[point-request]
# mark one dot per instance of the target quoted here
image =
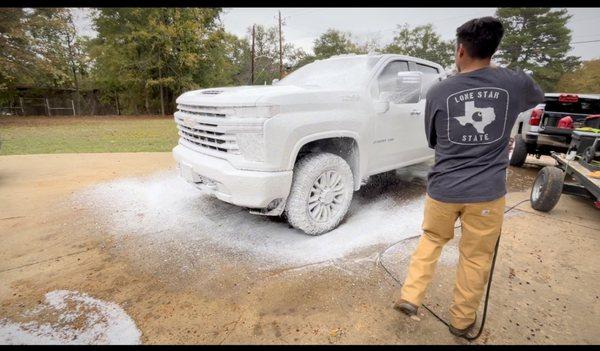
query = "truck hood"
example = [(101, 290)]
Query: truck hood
[(257, 95), (248, 95)]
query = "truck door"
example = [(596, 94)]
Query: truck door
[(399, 136)]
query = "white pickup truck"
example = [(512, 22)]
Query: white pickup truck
[(304, 144)]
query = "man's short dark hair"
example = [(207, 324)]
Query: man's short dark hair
[(480, 36)]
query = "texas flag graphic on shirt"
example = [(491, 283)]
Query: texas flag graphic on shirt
[(477, 116)]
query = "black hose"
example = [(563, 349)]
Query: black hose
[(489, 284)]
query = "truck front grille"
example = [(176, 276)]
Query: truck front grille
[(200, 128)]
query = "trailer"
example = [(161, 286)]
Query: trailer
[(550, 182)]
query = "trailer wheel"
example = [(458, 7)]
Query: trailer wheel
[(547, 188), (588, 154), (518, 155)]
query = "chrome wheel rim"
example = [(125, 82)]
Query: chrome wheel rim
[(537, 187), (511, 147), (326, 196)]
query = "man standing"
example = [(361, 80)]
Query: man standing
[(468, 119)]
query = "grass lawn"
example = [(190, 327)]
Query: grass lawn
[(22, 135)]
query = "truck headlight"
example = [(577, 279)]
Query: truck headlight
[(255, 111)]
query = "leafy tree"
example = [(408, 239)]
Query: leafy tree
[(298, 58), (17, 58), (149, 54), (334, 42), (236, 60), (64, 61), (422, 42), (537, 39), (585, 79), (370, 44), (40, 49), (266, 55)]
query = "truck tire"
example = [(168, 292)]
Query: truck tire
[(547, 188), (322, 189), (519, 152)]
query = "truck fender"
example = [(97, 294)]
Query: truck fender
[(361, 167)]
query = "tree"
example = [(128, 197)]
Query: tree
[(152, 55), (40, 49), (236, 60), (334, 42), (298, 58), (266, 57), (17, 57), (585, 79), (422, 42), (63, 60), (537, 39)]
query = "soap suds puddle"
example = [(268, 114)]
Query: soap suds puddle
[(71, 317), (169, 226)]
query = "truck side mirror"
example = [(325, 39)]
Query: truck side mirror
[(409, 87)]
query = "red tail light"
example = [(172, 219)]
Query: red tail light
[(568, 98), (536, 117), (565, 123)]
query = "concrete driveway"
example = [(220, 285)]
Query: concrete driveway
[(109, 248)]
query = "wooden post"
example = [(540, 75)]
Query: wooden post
[(73, 106), (160, 87), (280, 49), (21, 103), (253, 53), (48, 106)]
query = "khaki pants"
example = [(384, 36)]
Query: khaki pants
[(481, 226)]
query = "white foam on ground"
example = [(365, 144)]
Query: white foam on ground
[(71, 317), (164, 209)]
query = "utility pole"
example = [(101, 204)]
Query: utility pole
[(252, 64), (280, 49)]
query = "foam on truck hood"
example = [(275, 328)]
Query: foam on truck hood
[(235, 96)]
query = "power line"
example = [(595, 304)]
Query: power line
[(588, 41)]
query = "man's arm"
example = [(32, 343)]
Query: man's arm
[(532, 93)]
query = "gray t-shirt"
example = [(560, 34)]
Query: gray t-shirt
[(468, 119)]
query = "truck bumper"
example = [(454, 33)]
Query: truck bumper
[(251, 189), (544, 143), (530, 137)]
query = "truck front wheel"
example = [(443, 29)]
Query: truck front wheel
[(321, 193)]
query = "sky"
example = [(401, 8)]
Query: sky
[(303, 25)]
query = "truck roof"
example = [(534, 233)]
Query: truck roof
[(379, 56)]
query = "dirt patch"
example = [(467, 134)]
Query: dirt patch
[(194, 289)]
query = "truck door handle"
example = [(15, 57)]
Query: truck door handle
[(415, 112)]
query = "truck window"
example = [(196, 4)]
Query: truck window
[(427, 69), (388, 77), (431, 75)]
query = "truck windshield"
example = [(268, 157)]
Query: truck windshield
[(346, 72)]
